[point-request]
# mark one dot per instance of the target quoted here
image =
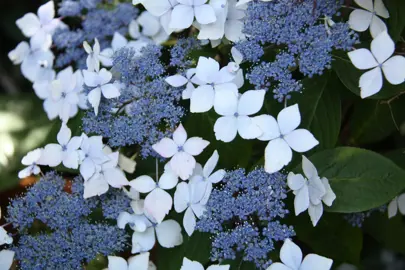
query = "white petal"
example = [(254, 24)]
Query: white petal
[(181, 197), (239, 78), (94, 98), (90, 78), (169, 234), (150, 24), (205, 14), (226, 128), (233, 30), (191, 265), (401, 204), (248, 129), (380, 9), (158, 203), (110, 90), (138, 262), (143, 241), (46, 12), (309, 168), (218, 267), (41, 41), (71, 160), (180, 135), (275, 266), (377, 26), (315, 213), (301, 140), (158, 7), (32, 157), (116, 177), (301, 200), (394, 69), (87, 168), (236, 55), (64, 135), (362, 59), (316, 262), (206, 69), (195, 145), (182, 164), (251, 102), (316, 190), (182, 17), (371, 82), (289, 119), (217, 176), (291, 254), (176, 80), (202, 99), (277, 154), (118, 41), (210, 164), (143, 184), (382, 47), (226, 102), (168, 180), (19, 53), (29, 24), (189, 221), (268, 125), (393, 208), (95, 186), (117, 263), (25, 172), (295, 181), (6, 259), (359, 20), (329, 196), (165, 147), (52, 154)]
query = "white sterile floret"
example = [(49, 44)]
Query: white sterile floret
[(211, 79), (234, 67), (191, 198), (6, 259), (91, 154), (36, 62), (189, 80), (360, 20), (291, 258), (181, 151), (283, 136), (138, 262), (398, 203), (95, 56), (310, 192), (106, 174), (183, 14), (66, 151), (4, 237), (235, 111), (162, 9), (147, 26), (380, 61), (158, 202), (126, 164), (194, 265), (100, 82), (32, 160)]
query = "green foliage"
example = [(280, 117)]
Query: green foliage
[(361, 179)]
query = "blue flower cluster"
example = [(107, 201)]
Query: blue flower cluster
[(69, 238), (297, 29), (181, 51), (150, 104), (357, 219), (100, 23), (242, 214)]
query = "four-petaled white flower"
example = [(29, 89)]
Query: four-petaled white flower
[(283, 136), (158, 202), (234, 67), (188, 80), (190, 197), (6, 259), (162, 9), (94, 56), (100, 83), (4, 237), (151, 28), (291, 257), (211, 80), (310, 192), (66, 152), (183, 13), (194, 265), (182, 151), (360, 20), (138, 262), (91, 154), (398, 203), (32, 160), (382, 48), (235, 111), (106, 174)]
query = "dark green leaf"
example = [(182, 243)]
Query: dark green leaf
[(396, 21), (397, 156), (361, 179)]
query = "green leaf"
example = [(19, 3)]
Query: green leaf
[(321, 109), (388, 232), (396, 21), (397, 156), (350, 77), (361, 179), (332, 237)]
